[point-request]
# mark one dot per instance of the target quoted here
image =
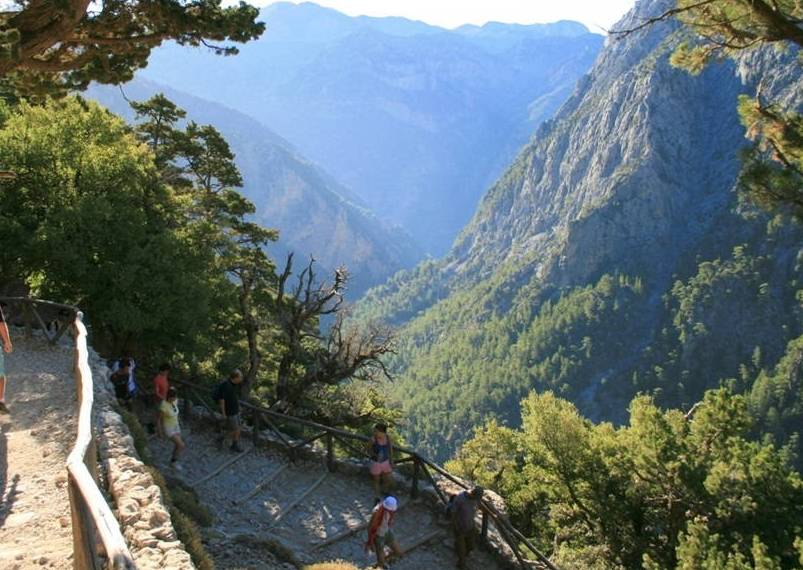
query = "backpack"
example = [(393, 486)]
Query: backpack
[(217, 393)]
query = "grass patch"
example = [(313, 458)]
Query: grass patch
[(267, 544), (186, 528), (138, 434), (186, 500)]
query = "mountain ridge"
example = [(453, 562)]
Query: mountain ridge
[(315, 215), (416, 119)]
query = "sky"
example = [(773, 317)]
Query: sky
[(598, 15)]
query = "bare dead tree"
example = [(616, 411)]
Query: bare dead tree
[(314, 358)]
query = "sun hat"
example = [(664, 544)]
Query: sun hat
[(390, 503)]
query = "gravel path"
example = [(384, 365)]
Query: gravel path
[(242, 528), (35, 440)]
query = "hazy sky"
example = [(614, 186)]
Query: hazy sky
[(596, 14)]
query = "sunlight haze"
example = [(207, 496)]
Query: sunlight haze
[(598, 15)]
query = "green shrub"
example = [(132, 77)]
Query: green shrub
[(138, 434)]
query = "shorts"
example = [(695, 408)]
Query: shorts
[(171, 431), (383, 468), (232, 423)]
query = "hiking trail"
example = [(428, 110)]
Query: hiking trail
[(35, 439), (263, 498)]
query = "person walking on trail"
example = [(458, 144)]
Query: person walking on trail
[(119, 380), (160, 387), (380, 450), (133, 389), (7, 348), (380, 531), (462, 509), (227, 395), (169, 411)]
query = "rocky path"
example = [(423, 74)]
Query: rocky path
[(252, 527), (35, 440)]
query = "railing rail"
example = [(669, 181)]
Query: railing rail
[(97, 540), (261, 416)]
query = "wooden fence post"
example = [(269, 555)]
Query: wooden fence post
[(26, 313), (416, 468), (257, 428), (330, 452)]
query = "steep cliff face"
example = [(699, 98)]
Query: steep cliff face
[(418, 120), (635, 177), (314, 214)]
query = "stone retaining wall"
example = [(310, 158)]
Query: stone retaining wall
[(138, 502)]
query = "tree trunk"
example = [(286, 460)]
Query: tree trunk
[(252, 334)]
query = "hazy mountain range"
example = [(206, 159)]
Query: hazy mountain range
[(417, 120), (315, 215)]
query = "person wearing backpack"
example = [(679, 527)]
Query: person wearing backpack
[(380, 530), (120, 379), (227, 396), (462, 510)]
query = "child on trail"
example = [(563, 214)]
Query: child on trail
[(169, 412), (4, 336), (380, 530), (160, 387), (381, 453)]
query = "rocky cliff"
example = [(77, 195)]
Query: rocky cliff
[(602, 262)]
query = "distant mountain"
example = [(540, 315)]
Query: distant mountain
[(416, 119), (611, 258), (313, 213)]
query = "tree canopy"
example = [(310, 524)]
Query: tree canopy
[(670, 490), (55, 46)]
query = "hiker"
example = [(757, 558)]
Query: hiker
[(381, 452), (133, 389), (160, 388), (169, 412), (463, 508), (4, 336), (227, 395), (120, 379), (380, 530)]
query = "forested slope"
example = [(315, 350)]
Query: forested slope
[(611, 258)]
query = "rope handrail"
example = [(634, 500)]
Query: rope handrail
[(91, 515), (505, 527)]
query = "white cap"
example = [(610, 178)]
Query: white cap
[(390, 503)]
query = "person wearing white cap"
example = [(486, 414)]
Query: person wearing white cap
[(380, 530)]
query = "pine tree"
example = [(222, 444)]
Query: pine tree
[(49, 46)]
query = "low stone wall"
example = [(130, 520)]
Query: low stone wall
[(138, 502)]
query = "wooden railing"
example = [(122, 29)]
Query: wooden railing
[(356, 444), (97, 540)]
